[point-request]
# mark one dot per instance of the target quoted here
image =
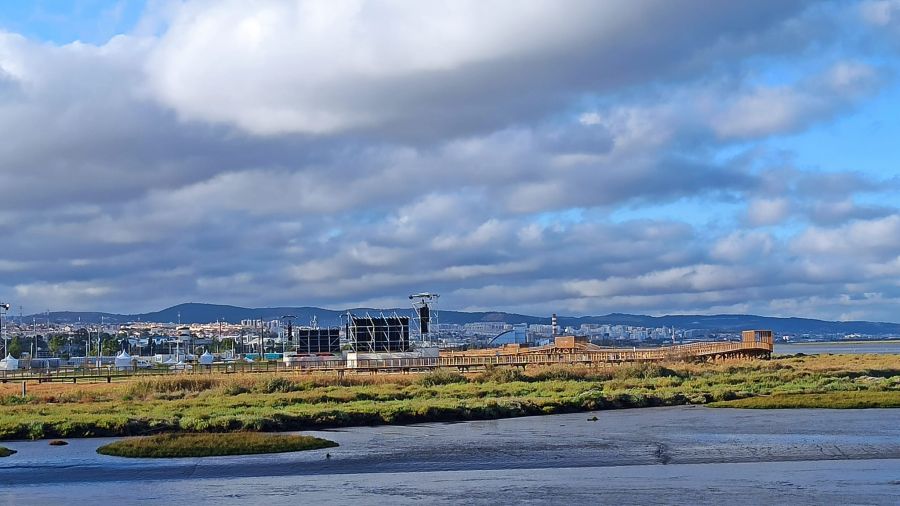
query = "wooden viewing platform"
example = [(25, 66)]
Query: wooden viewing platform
[(565, 350)]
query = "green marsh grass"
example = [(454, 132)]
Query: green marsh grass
[(293, 401), (830, 400), (210, 445)]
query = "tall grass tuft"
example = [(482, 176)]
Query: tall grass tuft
[(500, 375), (441, 377)]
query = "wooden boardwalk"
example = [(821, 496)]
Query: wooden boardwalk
[(565, 351)]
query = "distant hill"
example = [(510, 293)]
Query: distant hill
[(203, 313)]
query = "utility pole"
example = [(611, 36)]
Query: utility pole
[(3, 307), (262, 342), (100, 342)]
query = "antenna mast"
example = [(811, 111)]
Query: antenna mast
[(426, 317)]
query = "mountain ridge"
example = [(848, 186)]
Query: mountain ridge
[(196, 312)]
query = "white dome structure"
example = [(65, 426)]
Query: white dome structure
[(9, 363)]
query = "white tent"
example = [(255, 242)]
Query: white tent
[(123, 360), (170, 360), (9, 363), (206, 358)]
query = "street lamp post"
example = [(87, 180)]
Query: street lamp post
[(99, 343), (4, 307)]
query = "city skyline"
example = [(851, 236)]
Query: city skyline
[(347, 154)]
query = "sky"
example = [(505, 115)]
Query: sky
[(571, 156)]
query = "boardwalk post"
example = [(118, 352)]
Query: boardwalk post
[(24, 389)]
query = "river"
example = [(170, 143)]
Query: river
[(838, 347), (687, 454)]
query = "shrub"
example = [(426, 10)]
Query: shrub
[(278, 384), (144, 387), (16, 400), (441, 377), (558, 373), (643, 370), (500, 375)]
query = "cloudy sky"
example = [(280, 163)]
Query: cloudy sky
[(579, 157)]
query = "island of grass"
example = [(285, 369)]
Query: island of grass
[(827, 400), (212, 445), (6, 452)]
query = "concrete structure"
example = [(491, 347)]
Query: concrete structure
[(356, 360)]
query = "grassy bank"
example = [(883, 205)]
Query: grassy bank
[(6, 452), (270, 402), (210, 445), (829, 400)]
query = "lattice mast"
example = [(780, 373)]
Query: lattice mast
[(426, 318)]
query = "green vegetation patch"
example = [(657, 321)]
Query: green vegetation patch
[(282, 402), (829, 400), (6, 452), (210, 445)]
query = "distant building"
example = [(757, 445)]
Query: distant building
[(517, 335)]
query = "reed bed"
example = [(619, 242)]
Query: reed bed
[(295, 401)]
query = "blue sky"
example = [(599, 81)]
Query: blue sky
[(66, 21), (648, 157)]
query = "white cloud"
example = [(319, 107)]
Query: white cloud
[(877, 238), (767, 211), (881, 12), (767, 110), (327, 67), (345, 152), (590, 119), (743, 246)]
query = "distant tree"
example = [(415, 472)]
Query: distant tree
[(225, 344), (81, 338), (111, 345), (57, 342), (15, 347)]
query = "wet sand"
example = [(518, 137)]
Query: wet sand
[(839, 348)]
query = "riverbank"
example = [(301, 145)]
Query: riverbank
[(291, 402)]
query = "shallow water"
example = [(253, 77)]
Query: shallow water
[(853, 348), (666, 455)]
